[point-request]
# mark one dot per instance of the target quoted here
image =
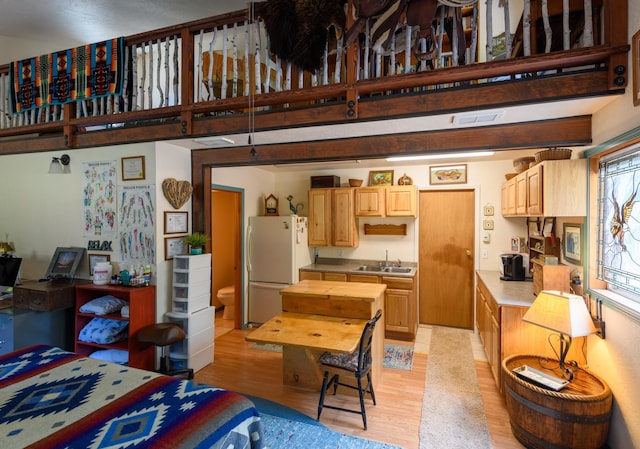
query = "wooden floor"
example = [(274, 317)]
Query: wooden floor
[(394, 420)]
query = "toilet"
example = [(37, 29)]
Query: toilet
[(226, 295)]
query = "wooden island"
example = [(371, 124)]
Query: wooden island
[(323, 305)]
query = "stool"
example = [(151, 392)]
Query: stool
[(227, 296), (163, 335)]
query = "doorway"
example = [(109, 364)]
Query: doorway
[(226, 251), (446, 247)]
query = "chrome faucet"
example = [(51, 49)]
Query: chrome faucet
[(386, 258)]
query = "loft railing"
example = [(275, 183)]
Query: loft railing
[(222, 65)]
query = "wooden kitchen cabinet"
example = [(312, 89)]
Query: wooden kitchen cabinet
[(542, 246), (550, 277), (332, 220), (503, 333), (549, 189), (390, 201)]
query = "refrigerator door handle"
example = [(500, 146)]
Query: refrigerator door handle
[(248, 258)]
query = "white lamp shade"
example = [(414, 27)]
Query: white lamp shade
[(561, 312)]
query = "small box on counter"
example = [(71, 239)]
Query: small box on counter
[(325, 181), (548, 260)]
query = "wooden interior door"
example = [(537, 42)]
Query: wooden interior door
[(446, 257)]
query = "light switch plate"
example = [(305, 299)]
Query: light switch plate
[(488, 211), (487, 225)]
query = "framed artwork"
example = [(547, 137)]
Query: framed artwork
[(133, 168), (176, 222), (97, 258), (635, 67), (381, 178), (448, 174), (174, 246), (572, 244)]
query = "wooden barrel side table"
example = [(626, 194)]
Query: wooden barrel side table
[(577, 416)]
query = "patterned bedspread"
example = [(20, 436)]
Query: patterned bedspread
[(50, 398)]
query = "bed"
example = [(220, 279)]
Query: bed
[(51, 398)]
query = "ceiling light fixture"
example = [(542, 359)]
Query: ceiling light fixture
[(422, 157), (214, 141), (477, 117)]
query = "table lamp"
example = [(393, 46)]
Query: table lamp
[(564, 313), (6, 248)]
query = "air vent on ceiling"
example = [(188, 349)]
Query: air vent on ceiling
[(477, 117)]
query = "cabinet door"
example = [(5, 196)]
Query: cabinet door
[(370, 201), (345, 230), (521, 194), (310, 275), (509, 197), (534, 190), (319, 217), (397, 310), (402, 201)]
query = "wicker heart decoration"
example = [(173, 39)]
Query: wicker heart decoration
[(176, 192)]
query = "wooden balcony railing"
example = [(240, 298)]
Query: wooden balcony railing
[(180, 77)]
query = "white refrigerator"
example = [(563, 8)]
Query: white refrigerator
[(276, 248)]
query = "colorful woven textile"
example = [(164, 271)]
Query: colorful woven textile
[(81, 73)]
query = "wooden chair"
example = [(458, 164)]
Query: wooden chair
[(164, 335), (356, 364)]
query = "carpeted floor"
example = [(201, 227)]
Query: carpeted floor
[(452, 411), (290, 429)]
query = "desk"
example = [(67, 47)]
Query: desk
[(333, 301), (304, 337), (576, 416)]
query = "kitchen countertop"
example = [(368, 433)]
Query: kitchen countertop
[(361, 291), (350, 266), (507, 293)]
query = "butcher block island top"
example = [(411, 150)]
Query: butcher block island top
[(361, 291)]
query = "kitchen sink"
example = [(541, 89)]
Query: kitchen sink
[(378, 269), (375, 268), (397, 269)]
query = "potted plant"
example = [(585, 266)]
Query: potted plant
[(196, 242)]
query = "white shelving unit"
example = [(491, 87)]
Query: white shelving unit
[(191, 309)]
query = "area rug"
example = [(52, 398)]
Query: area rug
[(452, 409), (395, 356), (288, 428)]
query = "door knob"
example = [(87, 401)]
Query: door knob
[(468, 252)]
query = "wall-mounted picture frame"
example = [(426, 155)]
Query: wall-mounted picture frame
[(97, 258), (133, 168), (176, 222), (381, 178), (448, 174), (635, 67), (174, 246), (572, 242)]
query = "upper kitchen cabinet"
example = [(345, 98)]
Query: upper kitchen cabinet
[(549, 189), (390, 201), (332, 221)]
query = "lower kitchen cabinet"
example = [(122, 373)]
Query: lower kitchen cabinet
[(501, 329)]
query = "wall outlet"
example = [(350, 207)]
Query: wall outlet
[(484, 254), (488, 210), (487, 225)]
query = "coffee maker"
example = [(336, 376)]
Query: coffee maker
[(512, 268)]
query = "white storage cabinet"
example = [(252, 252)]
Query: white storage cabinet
[(191, 309)]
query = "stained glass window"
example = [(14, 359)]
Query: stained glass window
[(619, 221)]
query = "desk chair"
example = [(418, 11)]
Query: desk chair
[(164, 335), (356, 364)]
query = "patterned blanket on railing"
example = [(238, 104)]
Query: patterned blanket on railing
[(81, 73)]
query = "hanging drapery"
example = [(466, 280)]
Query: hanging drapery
[(82, 73)]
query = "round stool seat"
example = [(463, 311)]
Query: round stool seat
[(161, 334), (226, 295)]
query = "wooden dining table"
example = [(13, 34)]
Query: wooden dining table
[(321, 316)]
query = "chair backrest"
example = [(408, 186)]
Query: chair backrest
[(364, 354)]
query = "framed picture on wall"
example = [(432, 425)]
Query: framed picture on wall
[(176, 222), (133, 168), (174, 246), (97, 258), (448, 174), (572, 243)]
